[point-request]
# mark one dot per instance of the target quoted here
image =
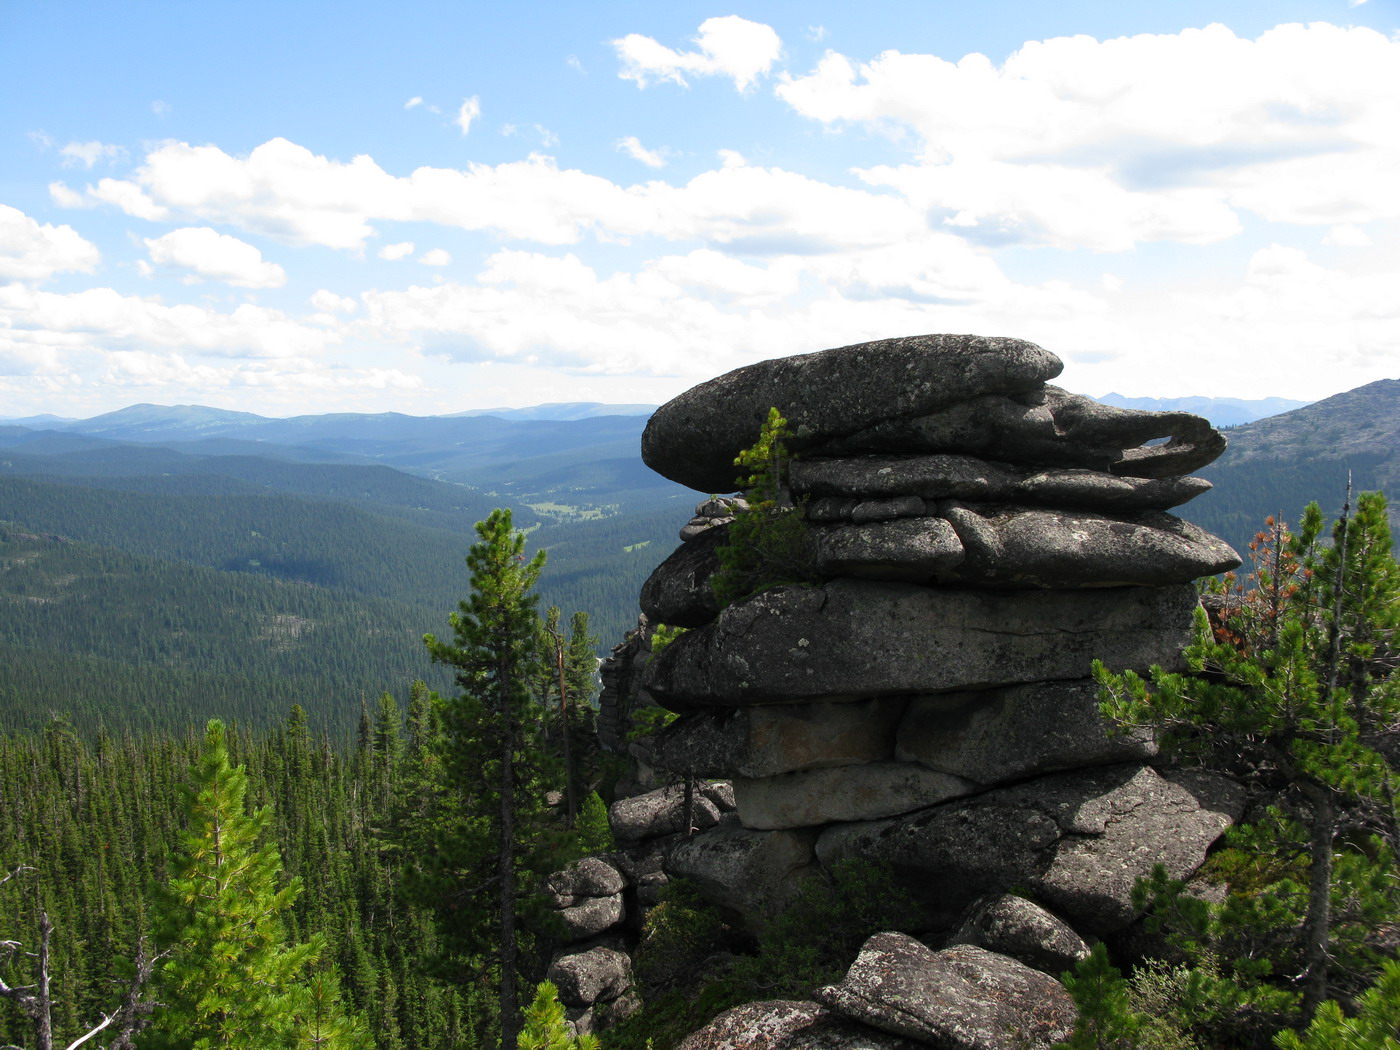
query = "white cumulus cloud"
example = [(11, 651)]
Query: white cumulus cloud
[(632, 146), (30, 251), (729, 46), (393, 252), (467, 113), (210, 255), (89, 153), (436, 257), (1076, 142)]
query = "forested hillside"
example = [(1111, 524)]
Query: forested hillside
[(146, 581)]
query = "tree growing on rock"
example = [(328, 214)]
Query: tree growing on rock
[(1294, 691), (768, 542)]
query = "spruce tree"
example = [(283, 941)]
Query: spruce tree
[(232, 979), (492, 753)]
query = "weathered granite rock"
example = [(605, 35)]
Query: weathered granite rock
[(712, 513), (590, 916), (764, 741), (749, 874), (790, 1025), (721, 793), (1054, 428), (584, 978), (593, 876), (999, 735), (946, 476), (962, 998), (1022, 929), (914, 549), (888, 508), (862, 792), (1026, 547), (657, 813), (1078, 841), (694, 438), (859, 639), (678, 591)]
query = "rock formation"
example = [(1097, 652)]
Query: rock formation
[(978, 537)]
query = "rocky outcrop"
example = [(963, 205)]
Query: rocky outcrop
[(962, 998), (925, 703)]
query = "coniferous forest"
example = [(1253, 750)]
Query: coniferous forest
[(322, 832)]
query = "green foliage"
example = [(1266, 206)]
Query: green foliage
[(594, 832), (489, 826), (1148, 1011), (1292, 690), (222, 918), (545, 1027), (1374, 1026), (663, 636), (768, 544)]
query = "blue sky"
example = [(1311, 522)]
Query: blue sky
[(314, 207)]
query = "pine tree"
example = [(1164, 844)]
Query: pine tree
[(1294, 691), (493, 750), (232, 980)]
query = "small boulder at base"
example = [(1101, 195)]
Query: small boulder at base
[(1022, 929), (596, 975), (789, 1025), (962, 998)]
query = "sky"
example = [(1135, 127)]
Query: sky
[(430, 207)]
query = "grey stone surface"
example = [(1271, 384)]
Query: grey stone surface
[(856, 639), (678, 591), (1025, 931), (836, 485), (694, 438), (721, 793), (998, 735), (1008, 546), (789, 1025), (861, 792), (1077, 841), (587, 977), (887, 509), (593, 876), (590, 916), (962, 998), (1051, 428), (764, 741), (751, 875), (909, 549), (657, 813)]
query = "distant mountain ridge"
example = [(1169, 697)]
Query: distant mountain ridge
[(1221, 411), (1279, 464)]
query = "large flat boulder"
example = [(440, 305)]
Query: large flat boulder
[(857, 639), (693, 439), (1052, 429), (913, 549), (947, 476), (1077, 841), (660, 812), (1010, 546), (781, 1024), (999, 735), (962, 998), (863, 792), (768, 740), (749, 875), (678, 591)]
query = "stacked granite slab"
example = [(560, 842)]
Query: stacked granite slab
[(979, 538)]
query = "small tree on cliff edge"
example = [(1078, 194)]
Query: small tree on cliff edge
[(1295, 692), (490, 750)]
